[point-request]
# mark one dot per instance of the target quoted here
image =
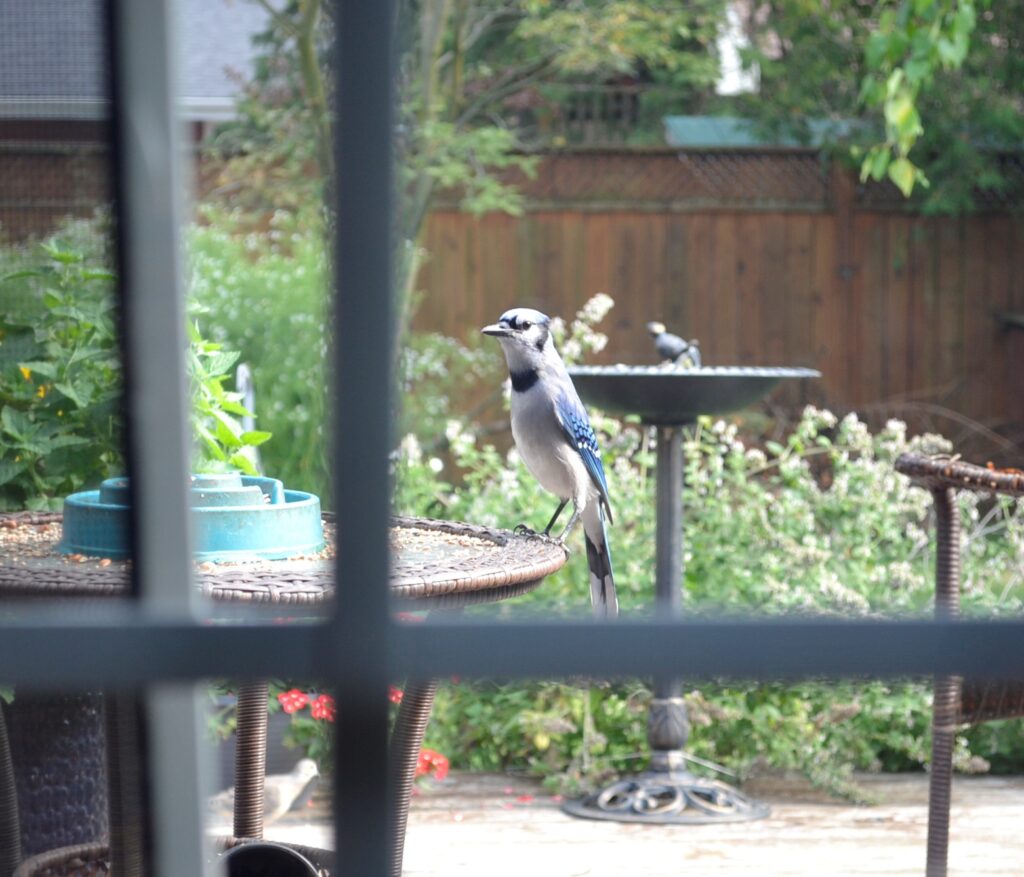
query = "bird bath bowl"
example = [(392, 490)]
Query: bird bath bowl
[(670, 398), (676, 396), (234, 518)]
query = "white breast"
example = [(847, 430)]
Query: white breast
[(544, 448)]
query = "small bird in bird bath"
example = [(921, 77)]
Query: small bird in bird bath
[(282, 792), (672, 349)]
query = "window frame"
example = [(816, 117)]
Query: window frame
[(160, 643)]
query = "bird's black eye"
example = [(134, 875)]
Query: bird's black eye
[(525, 324)]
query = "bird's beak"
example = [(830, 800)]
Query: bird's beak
[(497, 330)]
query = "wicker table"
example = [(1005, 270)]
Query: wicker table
[(435, 565)]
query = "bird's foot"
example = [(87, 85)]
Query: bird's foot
[(523, 530), (560, 542)]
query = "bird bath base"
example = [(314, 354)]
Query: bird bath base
[(671, 797)]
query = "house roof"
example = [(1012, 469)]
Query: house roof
[(733, 131), (53, 56)]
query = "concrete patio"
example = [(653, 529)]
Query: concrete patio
[(492, 825)]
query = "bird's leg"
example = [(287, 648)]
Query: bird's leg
[(523, 530), (554, 517), (572, 523)]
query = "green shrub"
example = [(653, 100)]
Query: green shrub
[(60, 380), (264, 295), (820, 523), (60, 375)]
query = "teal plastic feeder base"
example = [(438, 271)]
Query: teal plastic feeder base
[(234, 518)]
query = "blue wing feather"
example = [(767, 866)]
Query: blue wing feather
[(576, 426)]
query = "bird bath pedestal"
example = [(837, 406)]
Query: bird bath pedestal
[(669, 399)]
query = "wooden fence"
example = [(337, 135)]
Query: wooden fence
[(898, 311)]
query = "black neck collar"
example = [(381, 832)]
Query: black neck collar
[(523, 380)]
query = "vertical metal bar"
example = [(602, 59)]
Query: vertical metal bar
[(150, 189), (669, 509), (359, 634), (667, 725), (149, 227), (668, 582), (945, 709), (180, 766)]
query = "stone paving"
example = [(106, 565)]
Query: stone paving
[(491, 825)]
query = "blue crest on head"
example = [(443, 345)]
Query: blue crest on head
[(516, 317)]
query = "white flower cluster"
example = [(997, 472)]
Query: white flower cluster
[(818, 418), (460, 440), (580, 337), (833, 589), (410, 450)]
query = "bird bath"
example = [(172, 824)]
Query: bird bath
[(671, 398), (665, 396)]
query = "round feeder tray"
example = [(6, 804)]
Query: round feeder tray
[(234, 517)]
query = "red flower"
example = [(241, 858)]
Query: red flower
[(395, 694), (431, 762), (292, 701), (323, 708)]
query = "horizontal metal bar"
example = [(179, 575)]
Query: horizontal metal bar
[(135, 652), (763, 649), (128, 649)]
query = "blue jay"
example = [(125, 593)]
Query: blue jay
[(553, 435), (672, 348)]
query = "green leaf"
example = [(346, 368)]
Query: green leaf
[(899, 111), (16, 423), (903, 173), (65, 389), (10, 470), (233, 407), (255, 437), (18, 275), (66, 257), (228, 421), (917, 70), (220, 363), (876, 50), (242, 462), (877, 162), (966, 18), (952, 51), (226, 436), (66, 441), (210, 442), (40, 367), (96, 274)]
